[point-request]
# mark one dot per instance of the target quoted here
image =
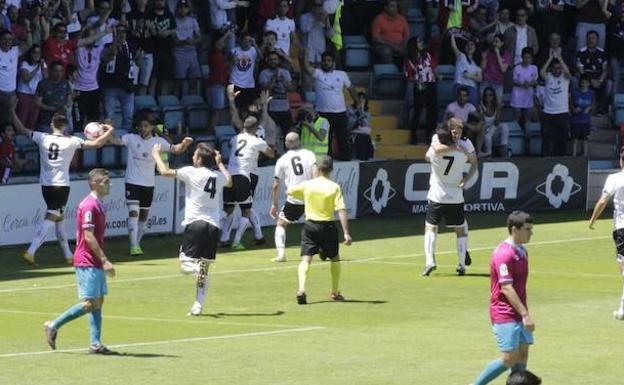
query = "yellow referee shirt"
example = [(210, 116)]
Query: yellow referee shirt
[(321, 196)]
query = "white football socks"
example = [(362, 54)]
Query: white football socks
[(142, 230), (202, 291), (61, 237), (133, 231), (40, 235), (462, 246), (226, 227), (255, 224), (430, 241), (280, 241), (243, 224)]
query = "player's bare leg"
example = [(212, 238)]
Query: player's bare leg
[(40, 235)]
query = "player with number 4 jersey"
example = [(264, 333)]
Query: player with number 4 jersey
[(448, 154), (293, 168), (202, 213), (56, 152), (246, 149)]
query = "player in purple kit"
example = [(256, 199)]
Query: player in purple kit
[(91, 264), (511, 322)]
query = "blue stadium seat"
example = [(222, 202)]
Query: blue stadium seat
[(516, 139), (387, 80), (172, 117), (619, 115), (445, 91), (145, 101), (418, 27), (168, 101), (31, 158), (89, 159), (619, 100), (22, 141), (601, 164), (192, 100), (109, 156), (357, 51)]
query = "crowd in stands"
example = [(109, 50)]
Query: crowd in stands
[(555, 62)]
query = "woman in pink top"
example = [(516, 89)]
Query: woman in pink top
[(494, 64)]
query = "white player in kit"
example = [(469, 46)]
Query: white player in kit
[(202, 213), (292, 168), (448, 154), (246, 148), (56, 152), (140, 178)]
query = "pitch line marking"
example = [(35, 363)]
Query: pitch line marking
[(194, 320), (274, 268), (169, 342)]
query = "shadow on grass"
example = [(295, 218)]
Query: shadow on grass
[(32, 273), (372, 302), (225, 315), (146, 355)]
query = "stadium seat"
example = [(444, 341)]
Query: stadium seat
[(31, 158), (109, 156), (601, 164), (145, 101), (168, 101), (197, 117), (192, 100), (417, 27), (516, 139), (172, 117), (414, 13), (357, 51), (445, 92), (619, 100), (508, 114), (22, 141), (387, 80), (89, 159)]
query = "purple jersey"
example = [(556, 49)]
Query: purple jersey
[(90, 215), (509, 264)]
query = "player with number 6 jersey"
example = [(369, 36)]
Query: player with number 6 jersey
[(246, 148), (293, 168), (448, 154), (56, 151), (202, 212)]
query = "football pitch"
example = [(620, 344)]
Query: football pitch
[(396, 327)]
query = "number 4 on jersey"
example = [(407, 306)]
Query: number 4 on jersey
[(211, 186)]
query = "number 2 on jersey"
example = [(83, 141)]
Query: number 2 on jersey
[(450, 159), (211, 186), (297, 166), (53, 151), (241, 144)]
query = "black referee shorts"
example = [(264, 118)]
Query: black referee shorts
[(453, 213), (319, 236), (200, 240), (55, 197)]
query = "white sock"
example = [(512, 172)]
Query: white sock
[(621, 309), (255, 224), (202, 291), (243, 224), (142, 230), (133, 231), (188, 265), (462, 246), (280, 241), (61, 237), (40, 235), (430, 240), (226, 227)]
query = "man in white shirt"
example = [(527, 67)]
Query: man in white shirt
[(243, 65), (218, 11), (614, 189), (448, 154), (202, 213), (556, 112), (9, 61), (56, 152), (140, 179), (292, 168), (330, 101), (283, 26)]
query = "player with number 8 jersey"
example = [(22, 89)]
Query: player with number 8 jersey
[(56, 152)]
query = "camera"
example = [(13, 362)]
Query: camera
[(229, 26), (303, 116)]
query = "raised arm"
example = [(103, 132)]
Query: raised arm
[(182, 146), (237, 122), (456, 50), (305, 65), (223, 169), (162, 168), (101, 141)]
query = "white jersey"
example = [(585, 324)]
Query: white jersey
[(447, 171), (56, 153), (203, 194), (295, 167), (244, 156), (141, 166), (614, 187)]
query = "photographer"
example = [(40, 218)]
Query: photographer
[(313, 131)]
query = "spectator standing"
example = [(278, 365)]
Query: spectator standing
[(8, 161), (556, 112), (218, 12), (283, 26), (480, 25), (88, 60), (218, 77), (390, 32), (420, 71), (467, 113), (554, 48), (52, 96), (316, 29), (244, 59), (615, 44), (32, 71), (57, 47), (9, 60), (468, 73), (142, 32), (494, 64), (103, 22), (269, 44), (582, 103), (187, 36), (278, 82), (119, 70), (330, 102), (591, 16), (521, 35), (525, 77), (495, 133), (503, 22), (164, 29), (592, 60)]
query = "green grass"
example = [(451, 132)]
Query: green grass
[(399, 328)]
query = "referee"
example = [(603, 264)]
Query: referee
[(322, 198)]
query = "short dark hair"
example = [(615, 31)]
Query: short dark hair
[(4, 127), (523, 378), (56, 63), (59, 25), (527, 50), (267, 33), (517, 219), (585, 76), (325, 165), (206, 154), (328, 54), (59, 121), (444, 134), (6, 32), (461, 89), (592, 32)]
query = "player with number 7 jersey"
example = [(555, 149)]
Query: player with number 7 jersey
[(56, 151)]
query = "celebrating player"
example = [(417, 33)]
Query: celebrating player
[(322, 198), (91, 265), (614, 189), (293, 168), (246, 148), (447, 154), (512, 324), (56, 152), (202, 212), (140, 178)]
